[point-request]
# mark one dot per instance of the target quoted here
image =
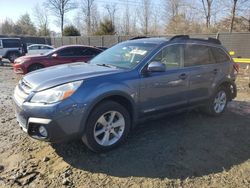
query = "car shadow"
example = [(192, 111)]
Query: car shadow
[(178, 146)]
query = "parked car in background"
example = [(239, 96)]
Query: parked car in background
[(12, 48), (36, 49), (62, 55), (100, 102)]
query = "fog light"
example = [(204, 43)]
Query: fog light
[(43, 132)]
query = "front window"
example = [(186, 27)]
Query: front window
[(124, 55)]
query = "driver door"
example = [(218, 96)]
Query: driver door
[(164, 90)]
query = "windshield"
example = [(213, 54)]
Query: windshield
[(124, 55)]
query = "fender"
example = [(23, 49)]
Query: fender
[(111, 91)]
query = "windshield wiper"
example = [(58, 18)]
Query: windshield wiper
[(107, 65)]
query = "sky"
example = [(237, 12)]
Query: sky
[(13, 9)]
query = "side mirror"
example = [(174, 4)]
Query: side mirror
[(232, 53), (54, 56), (156, 66)]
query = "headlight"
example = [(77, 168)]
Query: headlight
[(56, 94)]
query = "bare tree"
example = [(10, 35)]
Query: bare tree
[(233, 15), (59, 8), (127, 19), (111, 9), (207, 4), (233, 11), (42, 19), (145, 16), (87, 7)]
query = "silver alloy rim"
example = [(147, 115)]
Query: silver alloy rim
[(220, 102), (109, 128)]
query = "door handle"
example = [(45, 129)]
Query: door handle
[(183, 76)]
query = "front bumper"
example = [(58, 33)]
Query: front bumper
[(19, 69), (61, 125)]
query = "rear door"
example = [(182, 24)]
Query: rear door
[(66, 55), (164, 90), (201, 67)]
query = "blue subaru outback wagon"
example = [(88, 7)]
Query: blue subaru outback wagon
[(101, 101)]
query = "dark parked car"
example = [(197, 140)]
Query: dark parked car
[(62, 55), (12, 48), (101, 101)]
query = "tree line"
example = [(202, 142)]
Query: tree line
[(141, 17)]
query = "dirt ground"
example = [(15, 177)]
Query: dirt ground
[(183, 150)]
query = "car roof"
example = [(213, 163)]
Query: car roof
[(10, 38), (40, 45), (154, 40), (68, 46)]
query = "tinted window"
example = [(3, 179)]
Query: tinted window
[(46, 47), (170, 56), (11, 43), (68, 52), (1, 44), (197, 55), (220, 55), (92, 51), (34, 47)]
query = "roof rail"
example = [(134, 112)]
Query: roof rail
[(138, 37), (186, 37), (179, 37)]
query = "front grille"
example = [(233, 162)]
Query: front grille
[(22, 91)]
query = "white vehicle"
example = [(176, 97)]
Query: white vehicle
[(11, 48), (35, 49)]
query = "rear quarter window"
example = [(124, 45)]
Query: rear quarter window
[(219, 55), (11, 43), (195, 54)]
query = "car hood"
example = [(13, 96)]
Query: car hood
[(56, 75), (29, 57)]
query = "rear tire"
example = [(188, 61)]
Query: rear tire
[(35, 67), (218, 102), (12, 56), (107, 127)]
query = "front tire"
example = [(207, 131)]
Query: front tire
[(35, 67), (218, 102), (107, 127)]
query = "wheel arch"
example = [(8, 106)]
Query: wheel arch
[(122, 98), (227, 84), (33, 64)]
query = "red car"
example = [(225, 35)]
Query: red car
[(62, 55)]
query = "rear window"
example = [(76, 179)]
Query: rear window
[(220, 55), (197, 55), (11, 43)]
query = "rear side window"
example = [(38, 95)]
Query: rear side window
[(219, 55), (197, 55), (34, 47), (68, 52), (46, 47), (92, 51), (1, 44), (11, 43), (170, 56)]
